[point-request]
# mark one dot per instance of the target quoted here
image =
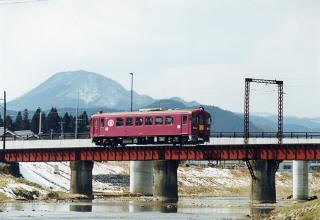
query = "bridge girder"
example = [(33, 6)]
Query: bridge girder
[(144, 153)]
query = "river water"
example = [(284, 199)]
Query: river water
[(186, 208)]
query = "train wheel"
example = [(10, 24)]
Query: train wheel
[(184, 140)]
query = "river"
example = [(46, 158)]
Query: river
[(186, 208)]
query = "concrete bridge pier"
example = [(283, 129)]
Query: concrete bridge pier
[(300, 180), (81, 177), (141, 177), (165, 181), (263, 188)]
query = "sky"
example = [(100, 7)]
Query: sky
[(198, 50)]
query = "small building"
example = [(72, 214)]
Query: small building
[(286, 166), (26, 135), (9, 134)]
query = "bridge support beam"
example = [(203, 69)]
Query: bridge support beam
[(300, 180), (165, 181), (263, 187), (81, 177), (12, 168), (141, 177)]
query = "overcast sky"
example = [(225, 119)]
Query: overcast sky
[(198, 50)]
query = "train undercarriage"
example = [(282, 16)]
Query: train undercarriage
[(123, 141)]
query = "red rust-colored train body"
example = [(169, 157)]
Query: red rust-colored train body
[(153, 126)]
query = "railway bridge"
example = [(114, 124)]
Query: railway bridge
[(154, 167)]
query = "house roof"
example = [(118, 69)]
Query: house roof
[(25, 133), (7, 132)]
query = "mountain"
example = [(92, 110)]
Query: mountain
[(97, 92), (290, 123), (187, 104), (167, 104), (62, 89), (227, 121), (223, 121)]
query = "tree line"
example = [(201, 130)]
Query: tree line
[(51, 121)]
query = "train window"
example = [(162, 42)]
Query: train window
[(201, 119), (129, 122), (149, 120), (119, 122), (159, 120), (208, 122), (102, 122), (184, 119), (169, 120), (287, 167), (95, 122), (139, 121)]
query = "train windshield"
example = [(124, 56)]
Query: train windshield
[(201, 119)]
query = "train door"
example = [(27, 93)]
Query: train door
[(184, 124), (102, 127), (96, 129)]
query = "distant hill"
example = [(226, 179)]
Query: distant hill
[(97, 92), (61, 90), (291, 124), (227, 121), (166, 104), (188, 104), (223, 121)]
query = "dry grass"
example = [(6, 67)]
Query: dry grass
[(240, 171), (210, 190), (27, 182), (57, 195), (303, 211), (25, 194), (211, 187), (117, 194), (4, 198), (6, 179)]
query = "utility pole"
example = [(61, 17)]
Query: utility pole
[(76, 125), (39, 122), (61, 128), (131, 90), (4, 120)]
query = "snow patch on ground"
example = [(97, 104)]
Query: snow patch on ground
[(105, 168), (9, 189), (108, 172), (114, 176), (207, 172), (209, 176), (44, 174)]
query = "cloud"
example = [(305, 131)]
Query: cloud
[(199, 50)]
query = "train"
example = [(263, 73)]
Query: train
[(151, 126)]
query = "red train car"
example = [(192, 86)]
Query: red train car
[(150, 127)]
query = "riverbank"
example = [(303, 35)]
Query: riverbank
[(302, 211), (41, 181)]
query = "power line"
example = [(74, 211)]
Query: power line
[(6, 2)]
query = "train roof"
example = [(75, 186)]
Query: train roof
[(149, 112)]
